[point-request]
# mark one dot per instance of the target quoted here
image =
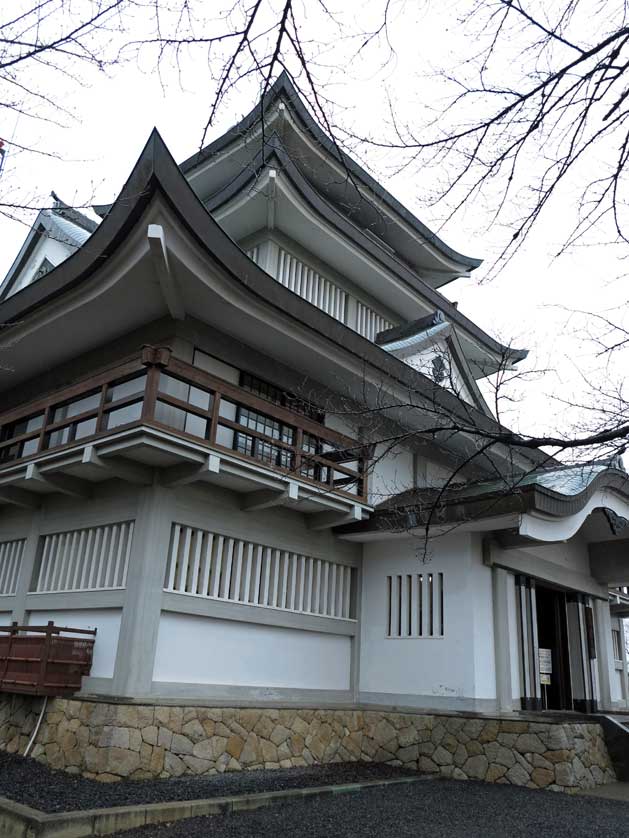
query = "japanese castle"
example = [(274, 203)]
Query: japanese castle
[(237, 437)]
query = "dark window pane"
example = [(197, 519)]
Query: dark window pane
[(23, 426), (73, 408), (174, 387), (12, 452), (185, 392), (169, 415), (30, 447), (126, 389), (180, 420), (123, 415), (200, 398), (196, 425), (59, 437), (85, 428)]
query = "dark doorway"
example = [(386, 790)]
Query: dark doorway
[(552, 633)]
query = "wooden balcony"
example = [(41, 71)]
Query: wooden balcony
[(155, 390)]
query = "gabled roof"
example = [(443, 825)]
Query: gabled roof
[(283, 91), (61, 223), (156, 174)]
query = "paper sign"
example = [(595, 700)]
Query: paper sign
[(545, 662), (544, 678)]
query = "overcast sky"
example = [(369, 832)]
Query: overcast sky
[(527, 304)]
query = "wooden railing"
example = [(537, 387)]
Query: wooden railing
[(156, 389)]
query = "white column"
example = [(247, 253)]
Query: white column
[(133, 672), (604, 653), (623, 658), (502, 640), (26, 569)]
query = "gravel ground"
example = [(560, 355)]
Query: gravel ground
[(27, 781), (439, 809)]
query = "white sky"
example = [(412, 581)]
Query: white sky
[(116, 112)]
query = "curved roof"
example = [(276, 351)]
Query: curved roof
[(553, 492), (276, 154), (284, 91), (156, 173)]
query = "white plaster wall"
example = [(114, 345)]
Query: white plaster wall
[(393, 472), (202, 650), (48, 248), (105, 620), (459, 665), (454, 381)]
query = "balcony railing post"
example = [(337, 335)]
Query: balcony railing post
[(154, 358), (216, 407), (150, 392), (299, 443)]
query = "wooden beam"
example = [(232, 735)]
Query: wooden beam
[(167, 280), (63, 483), (267, 498), (19, 497), (327, 520), (190, 472), (118, 467)]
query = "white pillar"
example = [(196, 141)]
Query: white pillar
[(502, 640), (604, 654), (135, 657), (27, 564), (623, 658)]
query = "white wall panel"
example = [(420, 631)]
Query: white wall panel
[(105, 620), (202, 650), (451, 666)]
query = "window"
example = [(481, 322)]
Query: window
[(28, 425), (414, 605), (206, 564), (616, 641), (83, 560), (276, 395), (10, 563)]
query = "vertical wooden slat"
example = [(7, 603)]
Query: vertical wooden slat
[(184, 558), (310, 569), (317, 587), (248, 572), (174, 551), (79, 561), (236, 593), (227, 569), (333, 612), (194, 576), (258, 579), (283, 597), (267, 576), (217, 567), (323, 609), (302, 582), (207, 564)]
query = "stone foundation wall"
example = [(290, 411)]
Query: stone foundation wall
[(113, 741)]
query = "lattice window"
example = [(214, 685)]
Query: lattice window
[(207, 564), (10, 563), (90, 559), (415, 605)]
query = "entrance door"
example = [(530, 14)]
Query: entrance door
[(552, 633)]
